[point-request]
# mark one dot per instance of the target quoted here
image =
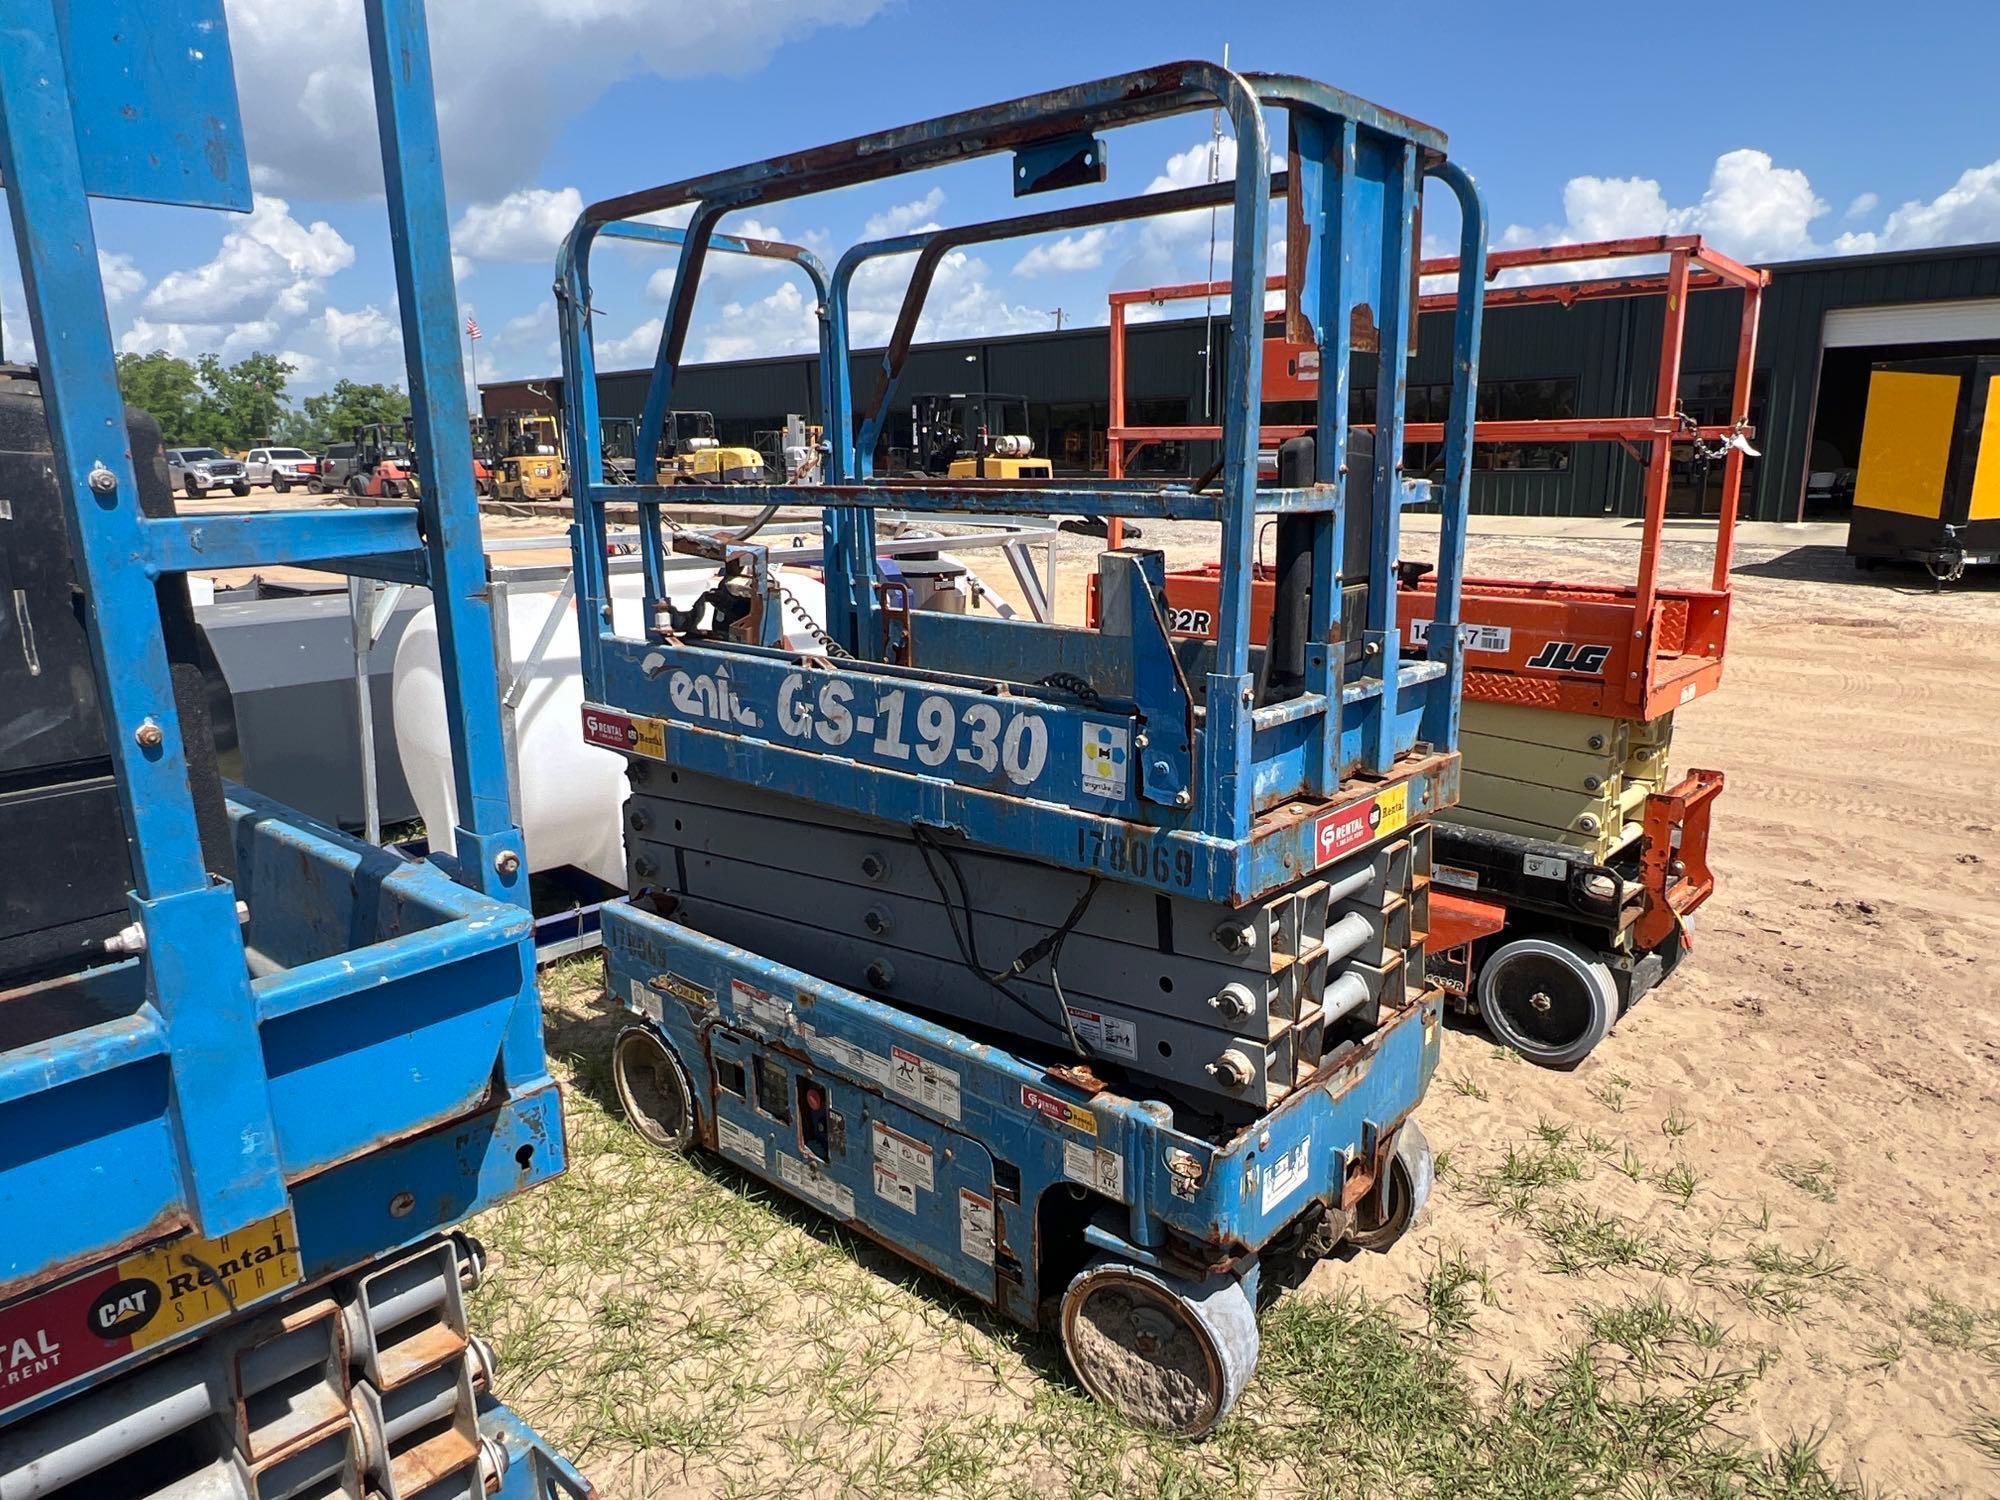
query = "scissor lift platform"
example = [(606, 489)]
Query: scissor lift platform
[(1214, 1026)]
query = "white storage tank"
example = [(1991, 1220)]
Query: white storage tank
[(571, 792)]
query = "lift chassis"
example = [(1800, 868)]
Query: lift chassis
[(1211, 869)]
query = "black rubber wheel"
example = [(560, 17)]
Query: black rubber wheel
[(1550, 999), (240, 489), (653, 1089), (1385, 1214), (356, 488), (194, 491)]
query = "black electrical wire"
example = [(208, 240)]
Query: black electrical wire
[(1049, 946)]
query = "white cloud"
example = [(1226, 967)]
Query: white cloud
[(782, 323), (636, 348), (122, 279), (1071, 253), (905, 218), (1756, 210), (1966, 213), (508, 74), (268, 262), (362, 331), (526, 225)]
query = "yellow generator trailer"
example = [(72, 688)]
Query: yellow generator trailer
[(975, 435), (692, 454), (1927, 489)]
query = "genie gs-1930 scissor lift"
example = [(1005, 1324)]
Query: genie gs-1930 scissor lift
[(1568, 871), (241, 1106), (1081, 975)]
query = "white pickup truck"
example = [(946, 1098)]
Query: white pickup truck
[(280, 468)]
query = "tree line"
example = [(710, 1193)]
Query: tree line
[(206, 403)]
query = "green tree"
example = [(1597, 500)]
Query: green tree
[(332, 416), (242, 403), (167, 387)]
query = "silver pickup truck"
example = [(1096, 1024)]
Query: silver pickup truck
[(199, 470)]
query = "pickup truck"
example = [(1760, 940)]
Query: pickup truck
[(199, 470), (280, 468)]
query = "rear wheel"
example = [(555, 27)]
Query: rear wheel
[(1163, 1352), (1550, 999), (282, 486), (1388, 1212), (653, 1088)]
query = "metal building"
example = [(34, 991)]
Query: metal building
[(1826, 322)]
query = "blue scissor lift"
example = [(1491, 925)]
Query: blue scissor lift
[(231, 1159), (1080, 966)]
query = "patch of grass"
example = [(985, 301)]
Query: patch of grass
[(1885, 1353), (1675, 1125), (1466, 1085), (1447, 1295), (1951, 1324), (1611, 1093), (1781, 1282), (1582, 1238), (1811, 1177), (1678, 1182), (1984, 1434)]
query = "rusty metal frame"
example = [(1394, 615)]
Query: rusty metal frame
[(1693, 266)]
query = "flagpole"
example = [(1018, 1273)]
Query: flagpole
[(472, 349)]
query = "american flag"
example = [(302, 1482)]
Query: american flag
[(472, 328)]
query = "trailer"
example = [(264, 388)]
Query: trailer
[(1927, 489), (252, 1071), (1084, 974), (1568, 874)]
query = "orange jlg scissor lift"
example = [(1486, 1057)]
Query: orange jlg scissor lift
[(1569, 871)]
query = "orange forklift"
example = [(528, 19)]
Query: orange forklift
[(1568, 875)]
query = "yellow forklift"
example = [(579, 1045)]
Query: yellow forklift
[(529, 463)]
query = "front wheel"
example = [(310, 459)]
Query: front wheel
[(194, 491), (282, 486), (1550, 999), (240, 489), (653, 1088), (1165, 1353)]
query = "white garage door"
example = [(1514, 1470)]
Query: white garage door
[(1912, 323)]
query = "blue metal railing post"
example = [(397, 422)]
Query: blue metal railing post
[(586, 459), (1224, 792), (1441, 709), (196, 976), (1399, 199), (489, 848)]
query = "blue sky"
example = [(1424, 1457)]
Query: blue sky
[(1786, 129)]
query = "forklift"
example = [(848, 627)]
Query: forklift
[(974, 436), (530, 462), (385, 462), (1082, 968), (255, 1071), (481, 430)]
